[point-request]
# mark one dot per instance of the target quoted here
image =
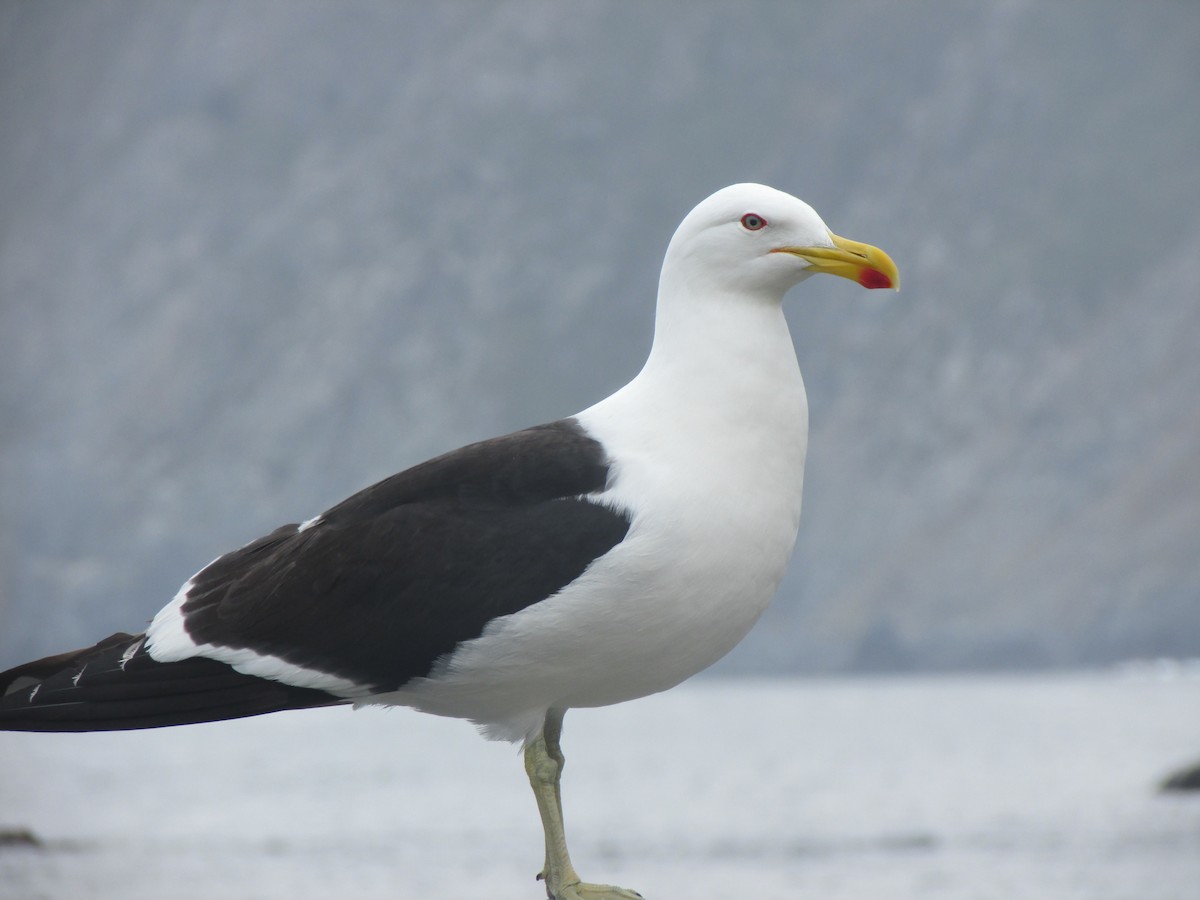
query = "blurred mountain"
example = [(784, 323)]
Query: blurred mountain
[(256, 256)]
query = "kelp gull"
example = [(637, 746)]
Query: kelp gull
[(589, 561)]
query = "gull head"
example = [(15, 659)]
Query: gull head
[(755, 240)]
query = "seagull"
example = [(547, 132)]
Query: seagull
[(581, 563)]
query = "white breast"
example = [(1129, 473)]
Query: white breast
[(708, 458)]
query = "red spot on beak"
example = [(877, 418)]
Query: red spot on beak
[(873, 278)]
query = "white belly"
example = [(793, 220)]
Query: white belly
[(711, 535)]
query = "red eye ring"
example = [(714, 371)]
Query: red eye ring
[(753, 222)]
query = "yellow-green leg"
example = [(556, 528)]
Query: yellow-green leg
[(544, 765)]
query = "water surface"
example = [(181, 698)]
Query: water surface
[(982, 787)]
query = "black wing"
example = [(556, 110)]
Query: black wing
[(398, 575)]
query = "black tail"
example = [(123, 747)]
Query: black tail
[(116, 686)]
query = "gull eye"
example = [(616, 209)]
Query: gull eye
[(753, 222)]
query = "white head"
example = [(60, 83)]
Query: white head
[(752, 239)]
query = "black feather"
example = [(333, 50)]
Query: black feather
[(116, 685)]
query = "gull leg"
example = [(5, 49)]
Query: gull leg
[(544, 765)]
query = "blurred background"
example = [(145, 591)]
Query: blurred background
[(256, 256)]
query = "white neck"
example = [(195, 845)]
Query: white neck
[(720, 396)]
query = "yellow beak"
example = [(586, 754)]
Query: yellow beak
[(869, 266)]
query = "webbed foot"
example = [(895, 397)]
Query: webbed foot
[(581, 890)]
